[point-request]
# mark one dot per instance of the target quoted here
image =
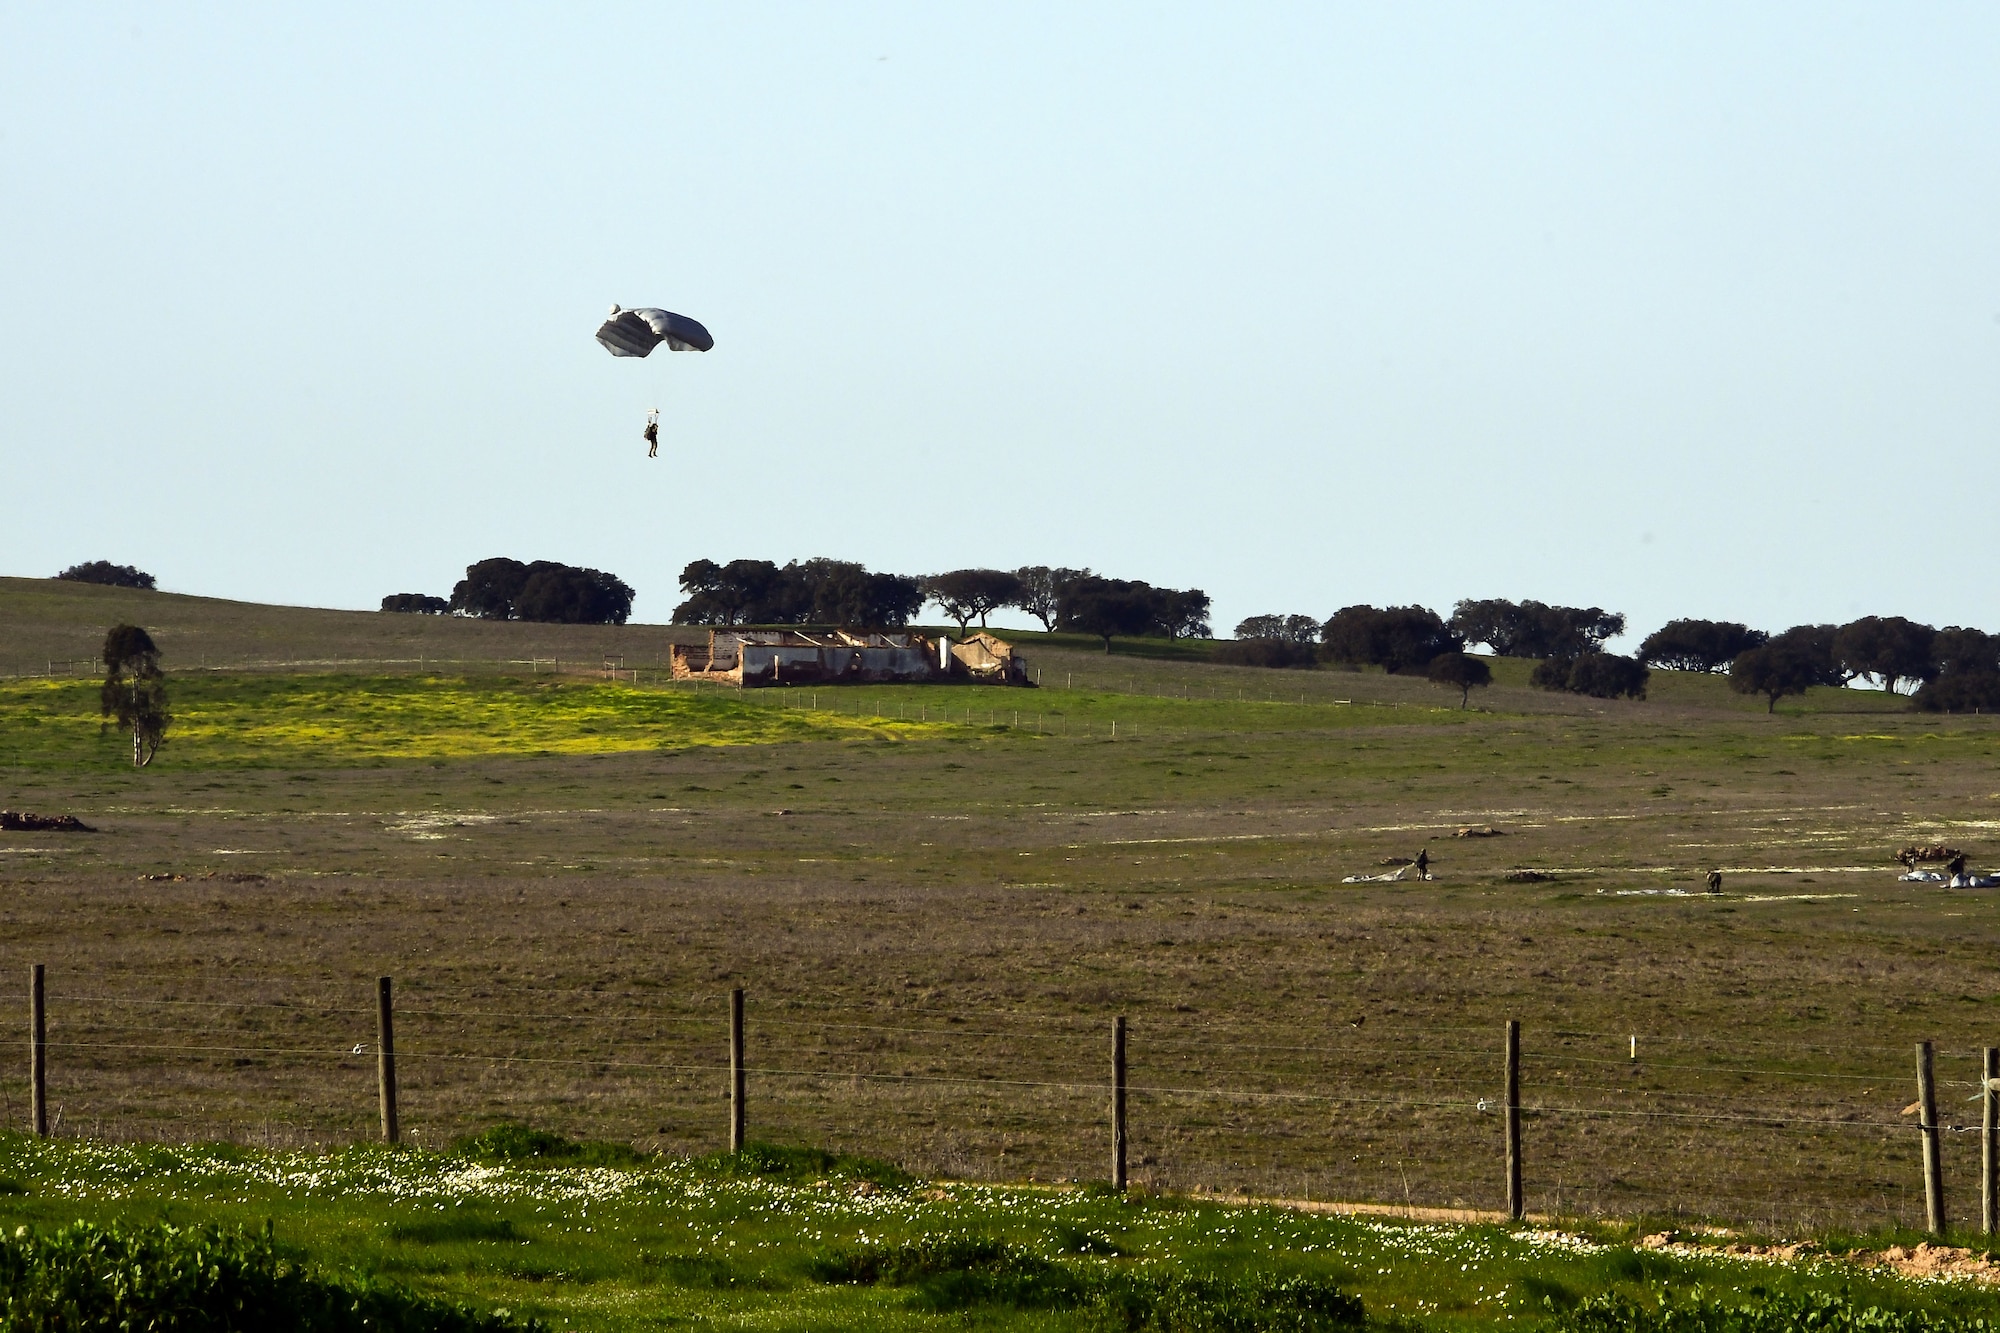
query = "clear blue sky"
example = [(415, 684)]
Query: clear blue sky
[(1673, 309)]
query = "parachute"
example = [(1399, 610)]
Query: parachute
[(638, 332)]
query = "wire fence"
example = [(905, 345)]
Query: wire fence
[(1627, 1124)]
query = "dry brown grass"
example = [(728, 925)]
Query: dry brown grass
[(46, 621)]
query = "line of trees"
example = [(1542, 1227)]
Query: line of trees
[(1077, 600), (1568, 640), (544, 590), (1535, 629), (822, 591), (1111, 608), (1955, 669), (837, 592), (808, 592), (547, 591), (541, 590)]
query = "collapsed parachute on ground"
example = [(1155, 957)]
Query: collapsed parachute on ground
[(638, 332)]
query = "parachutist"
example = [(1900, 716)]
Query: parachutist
[(638, 332)]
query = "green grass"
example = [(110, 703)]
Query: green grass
[(663, 1243), (1783, 1313), (161, 1276), (224, 720), (918, 886)]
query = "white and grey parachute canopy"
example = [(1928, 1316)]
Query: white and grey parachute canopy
[(638, 332)]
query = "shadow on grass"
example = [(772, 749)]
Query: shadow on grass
[(523, 1145), (962, 1273), (791, 1166)]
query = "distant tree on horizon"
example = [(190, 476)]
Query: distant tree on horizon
[(488, 590), (1535, 629), (1963, 692), (1396, 638), (1599, 675), (742, 592), (546, 590), (1889, 648), (1281, 629), (1966, 673), (568, 595), (1790, 663), (1042, 591), (845, 593), (109, 575), (1607, 676), (1182, 613), (416, 604), (1108, 608), (1273, 653), (1461, 672), (1698, 645), (973, 594), (1959, 651), (819, 591)]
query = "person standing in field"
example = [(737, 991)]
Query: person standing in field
[(1423, 863), (1715, 881)]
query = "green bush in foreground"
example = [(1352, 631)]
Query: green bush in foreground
[(961, 1273), (1781, 1313), (164, 1278), (527, 1146), (790, 1165)]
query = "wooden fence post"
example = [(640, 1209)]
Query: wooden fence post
[(385, 1058), (1989, 1141), (1927, 1121), (38, 1055), (1516, 1204), (736, 1081), (1118, 1102)]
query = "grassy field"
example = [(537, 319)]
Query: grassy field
[(801, 1240), (286, 720), (937, 898)]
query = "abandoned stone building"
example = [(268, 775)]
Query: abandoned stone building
[(758, 657)]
